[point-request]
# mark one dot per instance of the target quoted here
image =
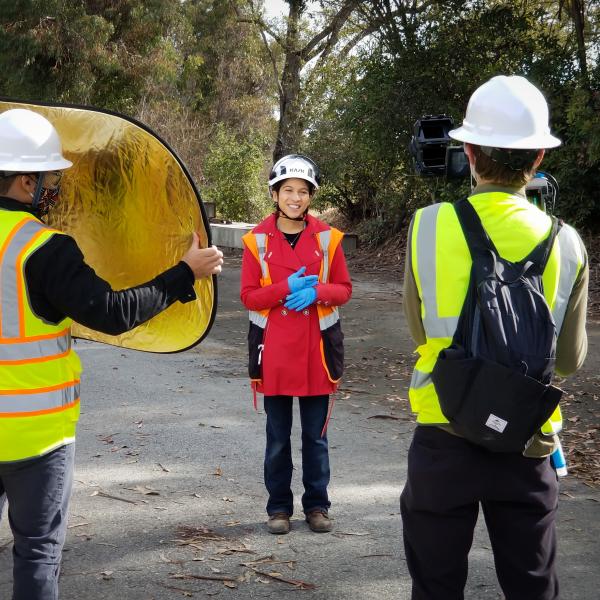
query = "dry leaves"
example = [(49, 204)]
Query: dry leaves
[(190, 535), (112, 497)]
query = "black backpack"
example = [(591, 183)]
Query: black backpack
[(493, 382)]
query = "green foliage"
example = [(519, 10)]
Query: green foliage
[(429, 63), (199, 72), (226, 76), (233, 169), (103, 53), (576, 164)]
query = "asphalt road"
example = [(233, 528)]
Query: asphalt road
[(169, 501)]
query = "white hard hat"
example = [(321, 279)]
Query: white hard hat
[(295, 165), (507, 112), (29, 143)]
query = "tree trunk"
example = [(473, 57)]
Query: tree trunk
[(290, 129), (576, 7)]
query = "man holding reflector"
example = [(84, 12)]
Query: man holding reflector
[(44, 285)]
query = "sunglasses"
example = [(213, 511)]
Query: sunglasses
[(52, 179)]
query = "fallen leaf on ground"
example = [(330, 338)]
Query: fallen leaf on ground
[(144, 489), (105, 495), (302, 585), (203, 577)]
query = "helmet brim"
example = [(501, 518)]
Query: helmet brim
[(275, 180), (532, 142), (35, 167)]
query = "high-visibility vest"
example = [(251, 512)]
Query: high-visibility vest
[(441, 264), (39, 372), (328, 241)]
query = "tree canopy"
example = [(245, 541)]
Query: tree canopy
[(232, 86)]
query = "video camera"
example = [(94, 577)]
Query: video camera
[(435, 156), (431, 150)]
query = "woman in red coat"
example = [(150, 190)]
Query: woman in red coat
[(294, 276)]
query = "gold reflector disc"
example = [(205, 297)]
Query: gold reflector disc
[(131, 205)]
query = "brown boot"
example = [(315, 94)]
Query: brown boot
[(279, 523), (319, 521)]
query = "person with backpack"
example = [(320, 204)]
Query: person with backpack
[(294, 278), (495, 294)]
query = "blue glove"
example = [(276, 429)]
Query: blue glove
[(298, 282), (301, 299)]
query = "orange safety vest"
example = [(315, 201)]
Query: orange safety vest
[(329, 316)]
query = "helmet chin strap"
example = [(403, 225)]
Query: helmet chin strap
[(35, 199), (285, 216)]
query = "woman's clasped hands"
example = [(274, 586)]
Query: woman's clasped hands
[(302, 290)]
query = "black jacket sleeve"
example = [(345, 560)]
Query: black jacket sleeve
[(60, 284)]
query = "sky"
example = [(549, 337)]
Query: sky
[(276, 8)]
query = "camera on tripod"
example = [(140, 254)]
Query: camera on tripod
[(432, 152), (435, 156)]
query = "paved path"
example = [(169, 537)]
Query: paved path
[(169, 485)]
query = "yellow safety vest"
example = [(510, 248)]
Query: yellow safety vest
[(441, 265), (328, 241), (39, 372)]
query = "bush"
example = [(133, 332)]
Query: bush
[(234, 173)]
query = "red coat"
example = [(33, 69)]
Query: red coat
[(291, 358)]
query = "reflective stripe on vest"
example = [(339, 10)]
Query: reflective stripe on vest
[(435, 326), (570, 258), (45, 400), (39, 373), (328, 315), (35, 349), (258, 318), (257, 244), (324, 239), (440, 330), (261, 248), (419, 379), (11, 321)]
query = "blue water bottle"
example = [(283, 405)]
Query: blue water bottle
[(558, 460)]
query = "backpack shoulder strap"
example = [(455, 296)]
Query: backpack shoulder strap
[(477, 238), (541, 253)]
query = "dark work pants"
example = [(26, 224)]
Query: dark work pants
[(448, 478), (38, 493), (278, 453)]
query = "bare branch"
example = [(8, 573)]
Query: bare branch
[(256, 19), (263, 29), (330, 33), (361, 35), (273, 63)]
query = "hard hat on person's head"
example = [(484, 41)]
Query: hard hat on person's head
[(507, 112), (295, 165), (29, 143)]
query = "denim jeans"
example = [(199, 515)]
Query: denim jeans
[(38, 492), (278, 454)]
